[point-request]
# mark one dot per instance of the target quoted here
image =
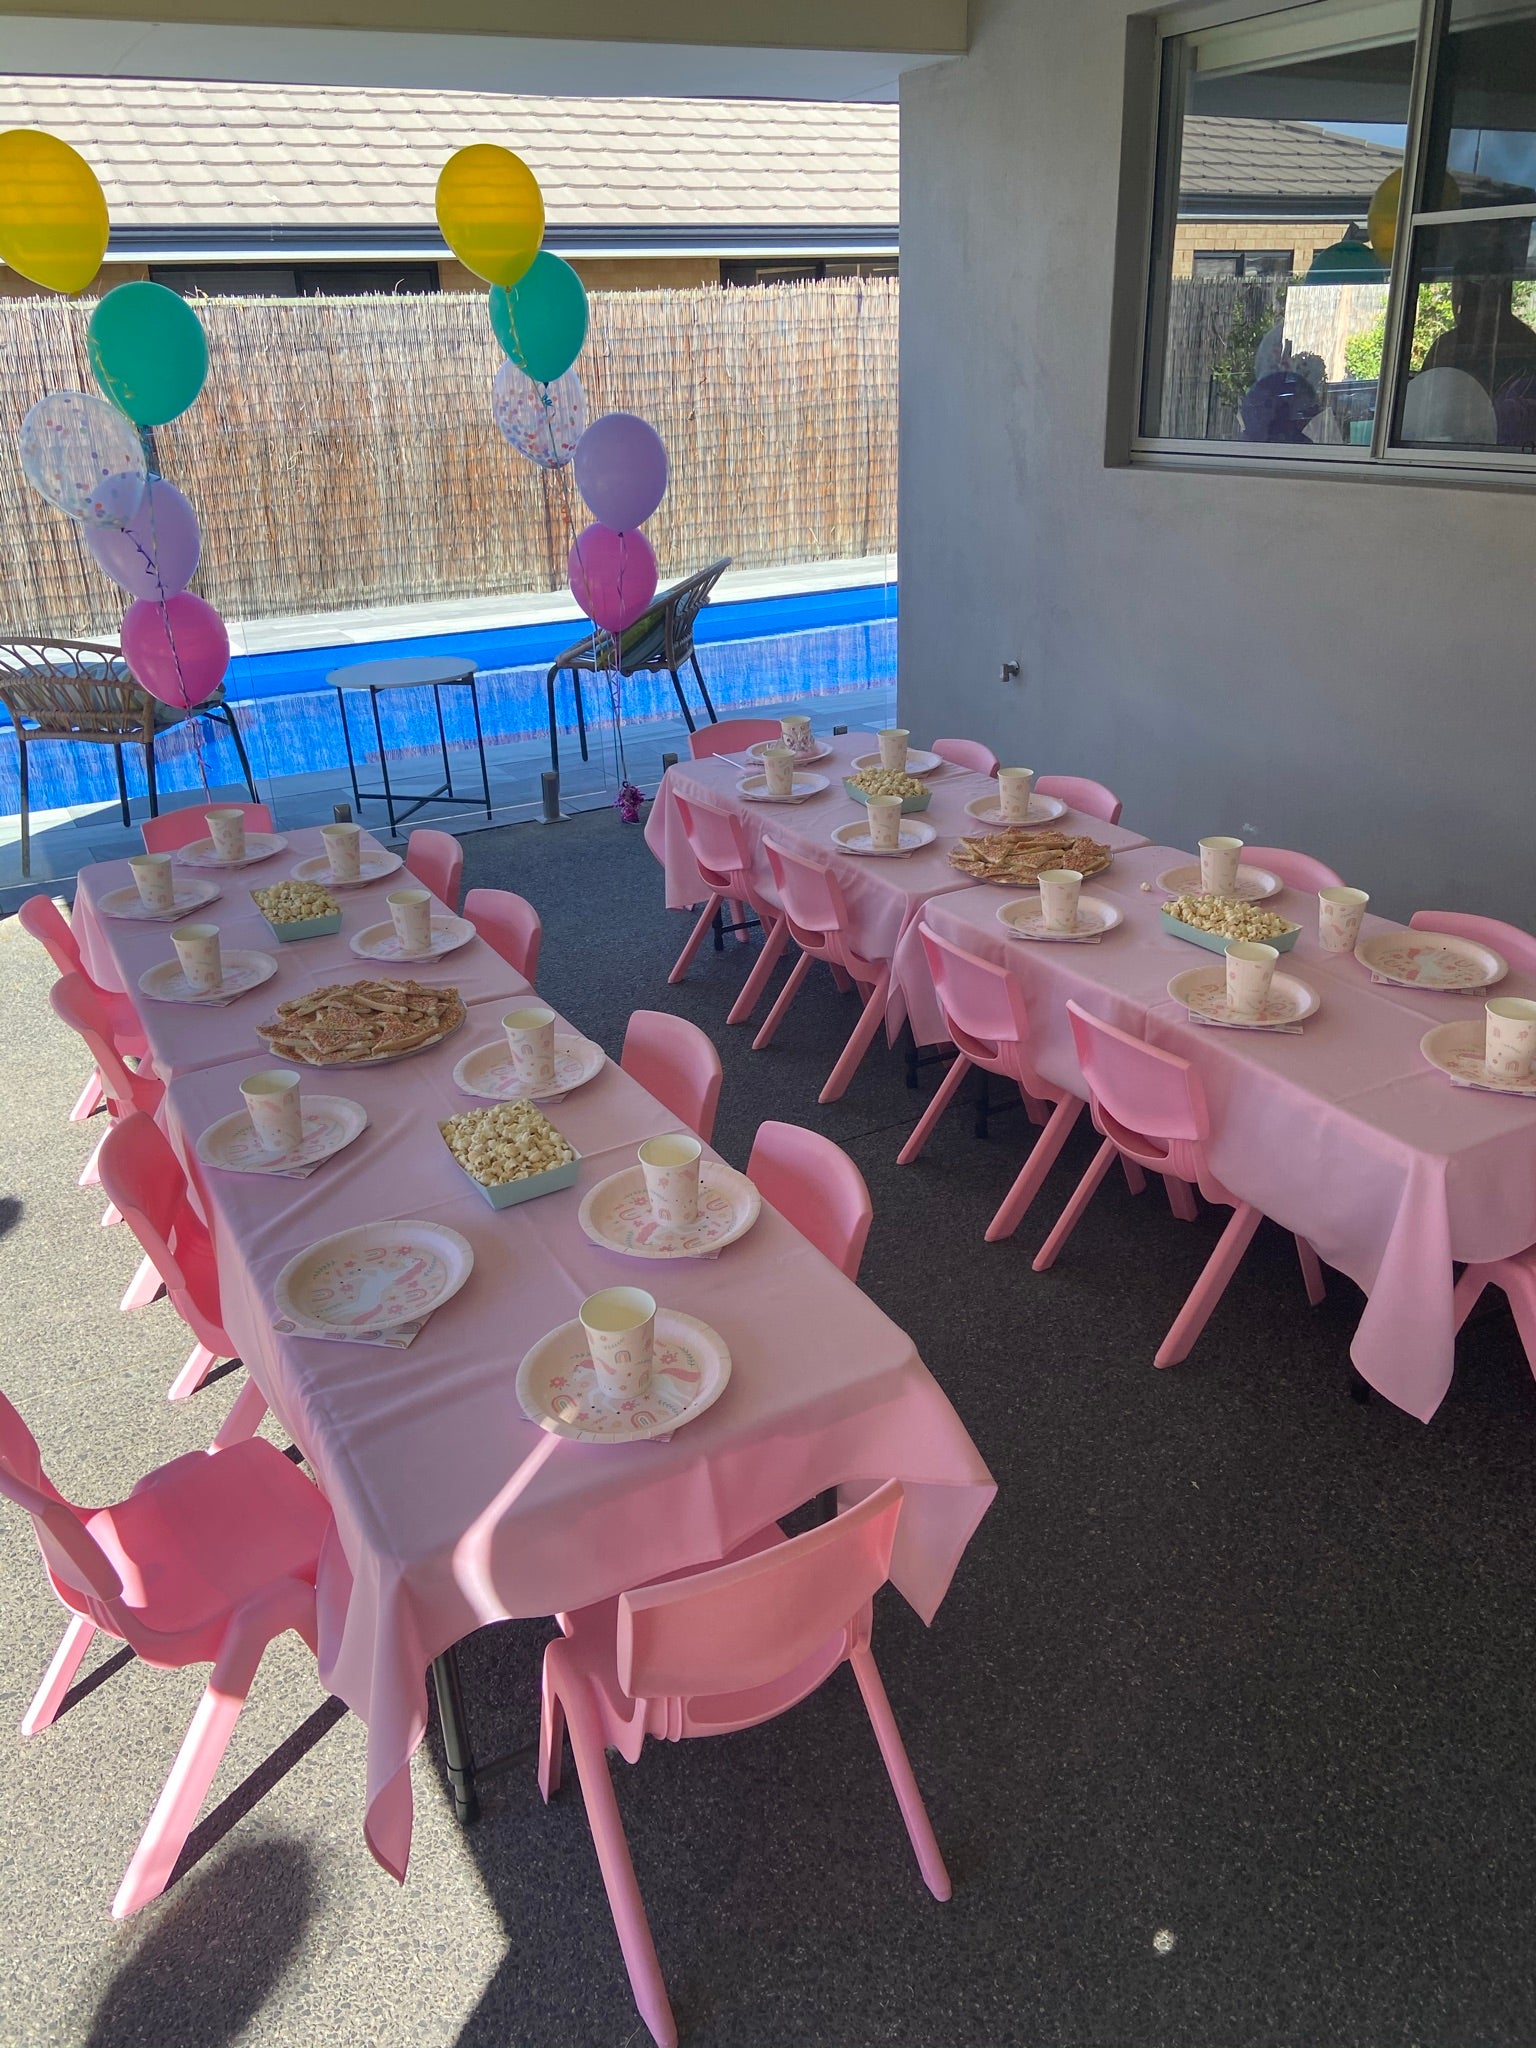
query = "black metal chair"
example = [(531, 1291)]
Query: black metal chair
[(84, 690), (661, 640)]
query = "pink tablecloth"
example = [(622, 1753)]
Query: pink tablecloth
[(1345, 1134), (452, 1510), (883, 896), (184, 1036)]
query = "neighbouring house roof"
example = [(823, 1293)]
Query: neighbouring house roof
[(1279, 170), (238, 169)]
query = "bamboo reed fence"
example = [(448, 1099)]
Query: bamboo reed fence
[(343, 453)]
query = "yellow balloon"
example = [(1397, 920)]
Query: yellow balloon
[(491, 211), (53, 213), (1381, 219)]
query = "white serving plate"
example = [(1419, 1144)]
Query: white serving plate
[(556, 1383), (487, 1071), (373, 1278), (1253, 885), (755, 789), (988, 810), (854, 838), (1025, 919), (1436, 961), (165, 982), (1204, 990), (375, 861), (330, 1122), (191, 895), (1458, 1050), (817, 753), (919, 762), (616, 1214), (382, 941), (258, 846)]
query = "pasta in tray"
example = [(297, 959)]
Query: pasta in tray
[(1020, 856), (348, 1022)]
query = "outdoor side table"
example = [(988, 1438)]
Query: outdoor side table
[(437, 674)]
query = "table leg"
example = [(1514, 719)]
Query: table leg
[(442, 738), (389, 795), (346, 734), (450, 1713), (485, 773)]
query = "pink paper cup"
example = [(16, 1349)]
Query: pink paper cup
[(884, 814), (410, 911), (1250, 970), (197, 948), (1218, 866), (226, 827), (1058, 898), (154, 880), (779, 769), (893, 747), (1339, 915), (619, 1324), (796, 731), (1015, 790), (343, 851), (1510, 1045), (272, 1103), (671, 1169), (531, 1042)]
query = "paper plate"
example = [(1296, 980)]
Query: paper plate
[(166, 983), (987, 810), (487, 1071), (918, 761), (1025, 919), (1457, 1050), (376, 862), (817, 753), (1204, 990), (330, 1122), (190, 895), (382, 941), (258, 846), (373, 1278), (616, 1214), (1436, 961), (1253, 885), (557, 1386), (755, 789), (854, 838)]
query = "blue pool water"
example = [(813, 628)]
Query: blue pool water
[(759, 652)]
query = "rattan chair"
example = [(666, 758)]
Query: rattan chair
[(82, 690), (662, 639)]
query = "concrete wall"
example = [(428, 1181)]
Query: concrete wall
[(1341, 667)]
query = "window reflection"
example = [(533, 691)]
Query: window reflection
[(1472, 357)]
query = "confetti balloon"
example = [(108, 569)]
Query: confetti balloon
[(53, 213), (542, 421), (84, 457)]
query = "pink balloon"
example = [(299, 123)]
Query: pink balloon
[(178, 650), (155, 554), (613, 576), (621, 470)]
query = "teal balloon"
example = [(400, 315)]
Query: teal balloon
[(541, 321), (148, 351)]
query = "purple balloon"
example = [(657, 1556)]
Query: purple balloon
[(613, 576), (621, 470), (156, 553)]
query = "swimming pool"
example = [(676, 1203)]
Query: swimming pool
[(818, 644)]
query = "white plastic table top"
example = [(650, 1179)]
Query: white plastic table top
[(1344, 1133), (183, 1036), (454, 1510)]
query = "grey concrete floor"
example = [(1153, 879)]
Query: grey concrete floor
[(1224, 1727)]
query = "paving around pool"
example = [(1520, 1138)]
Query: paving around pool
[(829, 651)]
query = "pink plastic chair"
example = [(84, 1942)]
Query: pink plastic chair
[(723, 855), (732, 736), (985, 1015), (436, 859), (1149, 1106), (80, 1004), (144, 1180), (1081, 794), (510, 925), (967, 754), (1296, 870), (42, 918), (179, 828), (1517, 946), (1517, 1277), (816, 915), (816, 1186), (675, 1062), (708, 1653), (209, 1559)]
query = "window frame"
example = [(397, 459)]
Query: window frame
[(1382, 460)]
